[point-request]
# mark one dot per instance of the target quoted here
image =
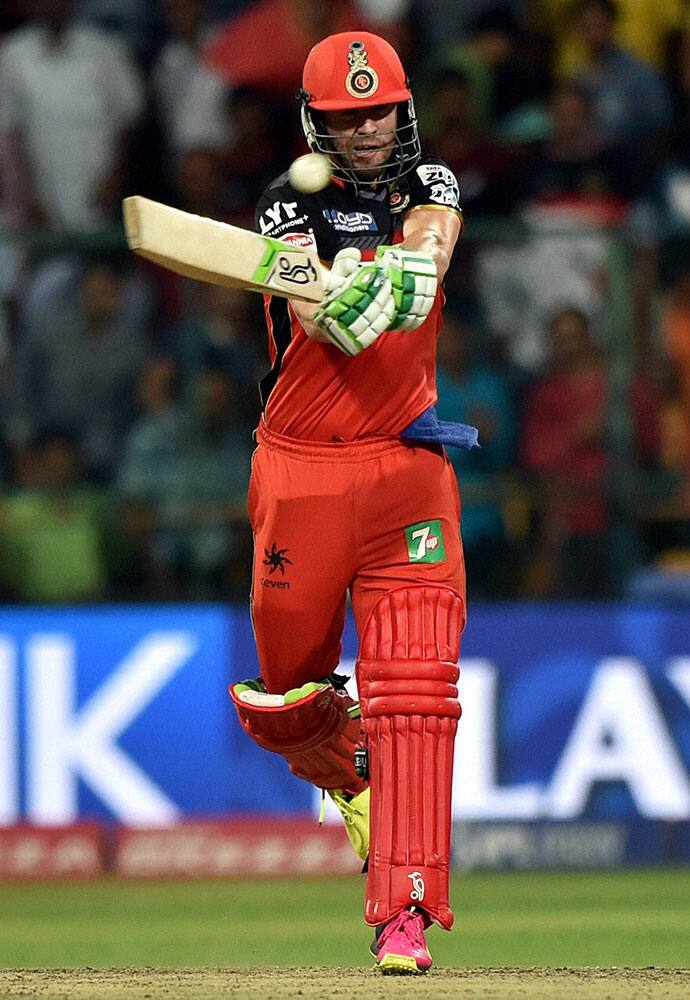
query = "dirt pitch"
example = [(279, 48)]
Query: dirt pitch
[(344, 983)]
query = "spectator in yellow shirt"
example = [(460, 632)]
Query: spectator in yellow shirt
[(643, 28)]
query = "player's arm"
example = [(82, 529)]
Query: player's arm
[(305, 313), (433, 230)]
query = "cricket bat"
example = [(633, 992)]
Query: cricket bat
[(219, 253)]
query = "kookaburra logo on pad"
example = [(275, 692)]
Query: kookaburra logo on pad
[(362, 80), (417, 890)]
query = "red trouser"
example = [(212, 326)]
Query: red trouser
[(370, 516)]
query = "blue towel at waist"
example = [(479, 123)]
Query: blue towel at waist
[(427, 427)]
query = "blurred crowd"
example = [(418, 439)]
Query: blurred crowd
[(128, 396)]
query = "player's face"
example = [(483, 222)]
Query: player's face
[(363, 138)]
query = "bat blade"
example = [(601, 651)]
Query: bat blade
[(219, 253)]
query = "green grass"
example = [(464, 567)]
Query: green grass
[(637, 918)]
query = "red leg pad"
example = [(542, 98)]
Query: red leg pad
[(407, 675), (315, 735)]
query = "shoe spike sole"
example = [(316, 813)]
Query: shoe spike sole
[(399, 965)]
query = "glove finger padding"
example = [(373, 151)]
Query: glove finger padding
[(345, 263), (359, 311), (414, 279)]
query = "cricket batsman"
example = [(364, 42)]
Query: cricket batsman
[(352, 492)]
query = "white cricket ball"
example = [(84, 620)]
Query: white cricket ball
[(310, 173)]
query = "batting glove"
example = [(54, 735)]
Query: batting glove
[(358, 310), (345, 263), (414, 278)]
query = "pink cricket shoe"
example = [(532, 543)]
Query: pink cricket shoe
[(400, 946)]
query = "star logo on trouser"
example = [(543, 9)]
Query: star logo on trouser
[(276, 559)]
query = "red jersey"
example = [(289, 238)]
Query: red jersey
[(314, 391)]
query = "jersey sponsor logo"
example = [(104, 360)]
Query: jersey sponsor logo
[(280, 214), (306, 240), (441, 182), (425, 542), (443, 194), (351, 222), (277, 231)]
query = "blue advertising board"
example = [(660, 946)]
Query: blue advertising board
[(588, 709), (122, 714)]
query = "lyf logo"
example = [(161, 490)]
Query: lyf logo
[(417, 890), (279, 214)]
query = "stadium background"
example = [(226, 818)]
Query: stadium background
[(127, 400)]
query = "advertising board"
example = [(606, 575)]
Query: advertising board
[(122, 715)]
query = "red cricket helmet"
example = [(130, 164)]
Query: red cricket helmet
[(357, 69), (353, 69)]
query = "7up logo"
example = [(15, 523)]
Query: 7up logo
[(425, 542)]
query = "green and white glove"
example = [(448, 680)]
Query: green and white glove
[(345, 263), (414, 278), (358, 308)]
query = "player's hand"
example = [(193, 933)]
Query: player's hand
[(345, 263), (358, 310), (414, 279)]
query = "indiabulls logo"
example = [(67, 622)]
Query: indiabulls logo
[(417, 890), (362, 80)]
